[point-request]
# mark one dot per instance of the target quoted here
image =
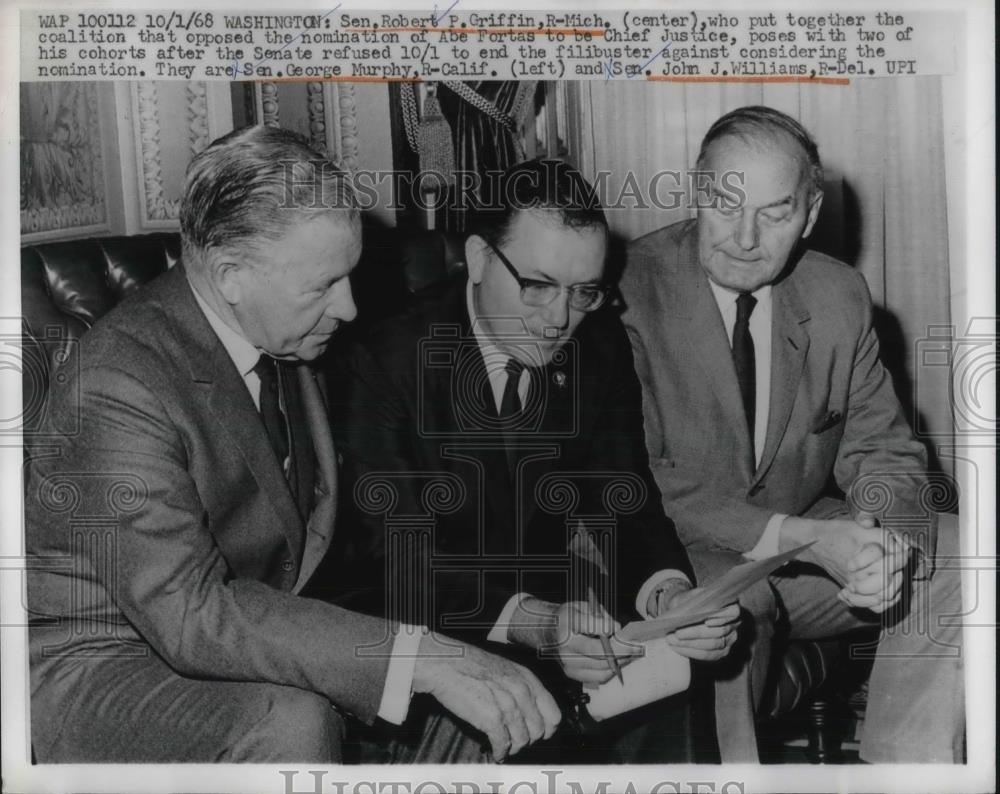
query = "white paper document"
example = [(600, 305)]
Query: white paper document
[(660, 673)]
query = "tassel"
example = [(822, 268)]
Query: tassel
[(434, 141)]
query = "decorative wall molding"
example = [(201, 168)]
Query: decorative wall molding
[(330, 114), (155, 206), (348, 143), (267, 99), (63, 184), (316, 102), (157, 211), (197, 98)]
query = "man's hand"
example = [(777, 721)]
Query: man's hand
[(499, 697), (866, 560), (706, 641), (572, 629), (876, 571)]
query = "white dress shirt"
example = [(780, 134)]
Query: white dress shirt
[(495, 361), (760, 332), (398, 688)]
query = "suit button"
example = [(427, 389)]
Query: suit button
[(287, 565)]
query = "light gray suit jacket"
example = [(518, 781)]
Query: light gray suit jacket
[(833, 411)]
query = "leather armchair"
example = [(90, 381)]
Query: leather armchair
[(65, 288)]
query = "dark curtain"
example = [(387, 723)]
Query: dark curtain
[(482, 143)]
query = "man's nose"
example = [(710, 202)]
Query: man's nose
[(557, 313), (341, 306), (747, 235)]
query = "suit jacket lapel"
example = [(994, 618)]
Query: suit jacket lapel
[(302, 469), (694, 307), (463, 408), (236, 416), (789, 346), (322, 520), (559, 387)]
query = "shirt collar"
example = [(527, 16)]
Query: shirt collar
[(242, 352), (726, 298)]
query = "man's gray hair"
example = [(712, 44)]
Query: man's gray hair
[(255, 183), (755, 123)]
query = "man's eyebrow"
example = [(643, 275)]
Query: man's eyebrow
[(326, 281), (732, 195), (592, 282), (538, 275), (789, 199)]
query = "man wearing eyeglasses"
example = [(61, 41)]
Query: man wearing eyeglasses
[(498, 424)]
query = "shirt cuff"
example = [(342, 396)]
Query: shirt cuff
[(767, 546), (499, 631), (399, 677), (652, 583)]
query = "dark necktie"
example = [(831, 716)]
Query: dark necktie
[(270, 407), (743, 358), (510, 405), (510, 411)]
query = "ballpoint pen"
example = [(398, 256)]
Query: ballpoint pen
[(595, 608)]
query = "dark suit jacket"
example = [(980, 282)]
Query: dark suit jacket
[(165, 525), (833, 412), (438, 529)]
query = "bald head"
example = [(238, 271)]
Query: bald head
[(765, 129)]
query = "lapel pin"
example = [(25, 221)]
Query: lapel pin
[(560, 378)]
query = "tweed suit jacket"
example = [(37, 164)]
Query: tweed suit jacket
[(834, 419), (164, 524)]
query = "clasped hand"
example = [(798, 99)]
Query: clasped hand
[(867, 560)]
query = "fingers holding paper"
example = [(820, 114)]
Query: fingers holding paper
[(581, 651), (709, 640), (702, 623)]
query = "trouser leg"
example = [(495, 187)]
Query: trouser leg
[(916, 701), (139, 710), (740, 678), (658, 733)]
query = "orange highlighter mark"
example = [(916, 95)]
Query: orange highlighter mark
[(742, 79)]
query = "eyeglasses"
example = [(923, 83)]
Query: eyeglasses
[(582, 297)]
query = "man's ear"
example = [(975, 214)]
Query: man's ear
[(814, 204), (227, 274), (476, 252)]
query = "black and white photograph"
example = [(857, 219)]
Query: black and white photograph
[(466, 399)]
